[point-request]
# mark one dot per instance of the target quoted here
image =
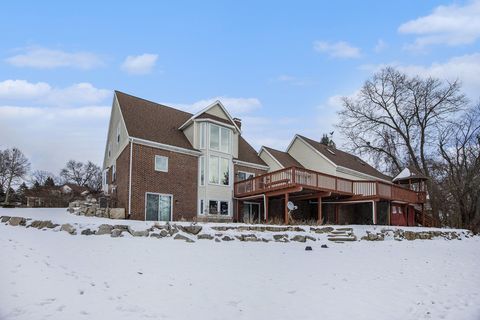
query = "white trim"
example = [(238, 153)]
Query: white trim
[(167, 147), (274, 159), (217, 102), (230, 142), (200, 212), (155, 164), (215, 122), (219, 184), (251, 165), (355, 172), (159, 194)]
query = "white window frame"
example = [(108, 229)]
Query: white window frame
[(114, 172), (219, 171), (229, 151), (201, 202), (203, 135), (118, 133), (246, 173), (159, 194), (155, 164), (219, 208)]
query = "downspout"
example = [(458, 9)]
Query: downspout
[(130, 179)]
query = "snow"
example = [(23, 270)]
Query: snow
[(53, 275)]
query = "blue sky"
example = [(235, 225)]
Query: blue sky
[(279, 66)]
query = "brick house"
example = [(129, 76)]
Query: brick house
[(161, 163)]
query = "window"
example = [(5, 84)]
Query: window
[(203, 135), (213, 207), (114, 172), (118, 133), (219, 171), (202, 171), (220, 138), (202, 210), (161, 163), (109, 149), (244, 175), (218, 207)]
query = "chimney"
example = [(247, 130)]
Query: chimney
[(238, 122)]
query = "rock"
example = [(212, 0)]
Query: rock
[(204, 236), (155, 235), (373, 237), (248, 237), (5, 219), (163, 233), (324, 246), (116, 213), (410, 235), (299, 238), (296, 229), (276, 229), (182, 237), (342, 238), (67, 227), (122, 227), (310, 238), (424, 235), (87, 232), (134, 233), (223, 228), (17, 221), (279, 236), (43, 224), (217, 240), (192, 229), (308, 248), (322, 230), (227, 238), (104, 229), (116, 233)]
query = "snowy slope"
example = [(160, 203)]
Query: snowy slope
[(53, 275)]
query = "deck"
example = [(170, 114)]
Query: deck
[(294, 178)]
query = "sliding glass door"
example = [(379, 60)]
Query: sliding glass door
[(158, 207)]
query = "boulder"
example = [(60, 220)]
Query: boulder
[(299, 238), (410, 235), (155, 235), (322, 230), (248, 237), (5, 219), (116, 233), (276, 229), (279, 236), (205, 236), (227, 238), (122, 227), (116, 213), (67, 227), (104, 229), (17, 221), (164, 233), (87, 232), (192, 229), (142, 233), (182, 237), (43, 224), (310, 238), (373, 236)]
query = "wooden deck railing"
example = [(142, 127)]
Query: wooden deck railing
[(293, 176)]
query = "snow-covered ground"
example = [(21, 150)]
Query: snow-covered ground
[(54, 275)]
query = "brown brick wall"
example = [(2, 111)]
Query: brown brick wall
[(237, 168), (180, 181), (122, 172)]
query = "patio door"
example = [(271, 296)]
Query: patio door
[(251, 212), (158, 207)]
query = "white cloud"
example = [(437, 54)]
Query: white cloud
[(235, 106), (340, 49), (451, 25), (466, 68), (40, 94), (141, 64), (380, 46), (43, 58)]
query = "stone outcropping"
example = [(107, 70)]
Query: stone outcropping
[(91, 208)]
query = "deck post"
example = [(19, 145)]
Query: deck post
[(319, 210), (266, 209), (286, 208), (336, 213), (423, 216), (374, 212)]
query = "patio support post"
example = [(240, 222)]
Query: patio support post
[(319, 210), (286, 208), (266, 209)]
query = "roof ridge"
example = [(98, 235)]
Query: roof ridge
[(150, 101)]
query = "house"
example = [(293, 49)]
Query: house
[(161, 163), (54, 196)]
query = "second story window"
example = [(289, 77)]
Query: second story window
[(220, 138), (203, 135), (161, 163), (219, 171)]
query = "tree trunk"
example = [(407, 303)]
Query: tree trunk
[(7, 193)]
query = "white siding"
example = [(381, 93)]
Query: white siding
[(115, 120), (309, 157), (271, 163)]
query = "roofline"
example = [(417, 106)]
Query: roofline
[(163, 146), (214, 121), (250, 164), (263, 148), (110, 125), (312, 148), (362, 173), (211, 105)]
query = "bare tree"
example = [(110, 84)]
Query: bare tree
[(83, 174), (40, 177), (395, 120), (16, 166), (459, 147)]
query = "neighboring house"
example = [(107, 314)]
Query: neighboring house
[(54, 196), (161, 163)]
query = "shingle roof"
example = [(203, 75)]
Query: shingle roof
[(285, 159), (246, 152), (213, 117), (156, 122), (345, 159)]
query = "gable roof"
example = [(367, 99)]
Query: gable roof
[(410, 172), (345, 159), (152, 121), (204, 114), (246, 153), (284, 158)]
